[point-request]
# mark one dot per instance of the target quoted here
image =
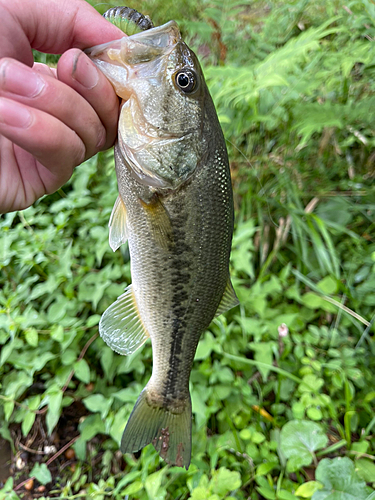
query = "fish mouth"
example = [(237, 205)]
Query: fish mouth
[(124, 62), (119, 59)]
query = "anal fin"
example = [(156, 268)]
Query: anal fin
[(118, 233), (228, 300), (120, 327)]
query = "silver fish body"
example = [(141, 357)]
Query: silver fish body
[(175, 207)]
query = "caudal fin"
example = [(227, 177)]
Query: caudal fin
[(170, 433)]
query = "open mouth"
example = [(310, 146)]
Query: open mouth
[(117, 59)]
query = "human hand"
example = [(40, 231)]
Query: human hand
[(50, 120)]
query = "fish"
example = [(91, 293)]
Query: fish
[(175, 209)]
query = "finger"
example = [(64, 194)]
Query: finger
[(51, 26), (49, 140), (44, 69), (46, 93), (23, 179), (79, 72)]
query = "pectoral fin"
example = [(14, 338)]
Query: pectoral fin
[(120, 327), (159, 222), (118, 233), (228, 300)]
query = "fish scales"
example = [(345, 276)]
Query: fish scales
[(175, 207)]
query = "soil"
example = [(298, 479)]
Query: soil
[(55, 451)]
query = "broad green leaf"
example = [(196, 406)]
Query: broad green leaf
[(266, 492), (133, 488), (41, 473), (54, 410), (153, 483), (285, 495), (311, 383), (205, 346), (264, 469), (264, 354), (31, 336), (314, 413), (7, 492), (82, 371), (128, 478), (91, 426), (224, 480), (299, 440), (98, 403), (365, 469), (328, 285), (106, 361), (80, 448), (306, 490), (57, 333), (340, 481), (6, 352), (28, 422)]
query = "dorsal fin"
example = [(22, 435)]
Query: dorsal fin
[(128, 20), (228, 300), (121, 327), (118, 233)]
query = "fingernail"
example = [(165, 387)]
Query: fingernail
[(19, 79), (84, 72), (14, 114)]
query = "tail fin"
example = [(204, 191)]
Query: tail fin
[(170, 433)]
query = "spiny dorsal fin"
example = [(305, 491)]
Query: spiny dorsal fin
[(228, 300), (128, 20), (118, 233), (120, 327), (159, 222)]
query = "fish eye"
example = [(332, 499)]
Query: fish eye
[(186, 80)]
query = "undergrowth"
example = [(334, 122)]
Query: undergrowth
[(283, 387)]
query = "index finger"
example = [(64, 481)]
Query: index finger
[(51, 26)]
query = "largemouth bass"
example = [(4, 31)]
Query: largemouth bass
[(175, 208)]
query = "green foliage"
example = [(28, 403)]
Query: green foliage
[(339, 481), (41, 473), (299, 440), (279, 383)]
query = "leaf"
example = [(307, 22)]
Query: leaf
[(223, 481), (153, 483), (285, 495), (98, 403), (6, 352), (41, 473), (54, 410), (266, 492), (264, 354), (57, 333), (340, 481), (310, 383), (306, 490), (27, 422), (299, 440), (132, 489), (31, 336), (82, 371), (91, 426), (205, 346), (365, 469), (328, 285), (265, 468)]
